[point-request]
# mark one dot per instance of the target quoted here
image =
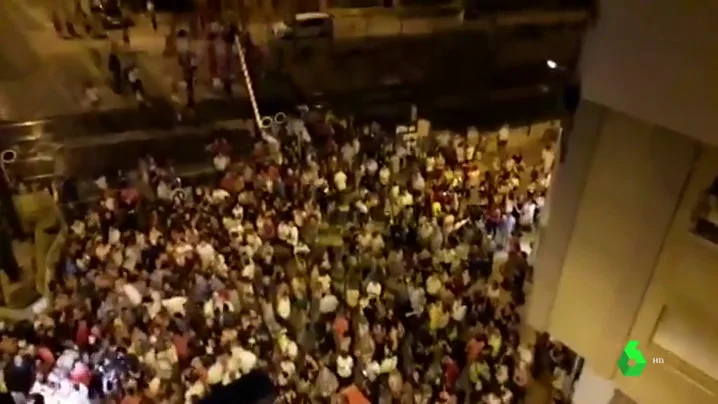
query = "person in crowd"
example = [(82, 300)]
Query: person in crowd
[(347, 266), (152, 14), (176, 101), (91, 95), (125, 30), (133, 78), (115, 67)]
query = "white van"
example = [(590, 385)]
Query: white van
[(305, 25)]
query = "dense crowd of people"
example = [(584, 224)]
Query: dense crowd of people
[(348, 264)]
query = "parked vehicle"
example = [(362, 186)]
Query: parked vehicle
[(305, 25), (110, 15)]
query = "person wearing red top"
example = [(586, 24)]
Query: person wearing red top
[(82, 335), (131, 399), (341, 326), (181, 346), (451, 373), (473, 350), (80, 374), (228, 181), (273, 173)]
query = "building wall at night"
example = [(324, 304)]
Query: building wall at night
[(656, 61), (617, 259)]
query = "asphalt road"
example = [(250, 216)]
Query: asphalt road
[(451, 77), (359, 63), (34, 85)]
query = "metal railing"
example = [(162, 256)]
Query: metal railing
[(379, 25), (356, 24)]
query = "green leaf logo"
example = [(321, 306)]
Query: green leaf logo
[(631, 363)]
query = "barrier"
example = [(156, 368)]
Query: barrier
[(391, 25), (40, 211), (7, 156), (272, 124), (377, 22)]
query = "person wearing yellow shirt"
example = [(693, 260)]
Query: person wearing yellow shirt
[(436, 208), (495, 344), (438, 318), (448, 176)]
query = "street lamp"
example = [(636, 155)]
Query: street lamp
[(553, 65)]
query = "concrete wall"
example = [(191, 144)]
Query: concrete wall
[(656, 61), (592, 388), (678, 318), (619, 261), (564, 198), (626, 207)]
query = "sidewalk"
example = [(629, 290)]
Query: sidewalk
[(75, 63), (85, 60), (160, 71), (30, 86)]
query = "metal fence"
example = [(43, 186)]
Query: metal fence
[(377, 24), (392, 25)]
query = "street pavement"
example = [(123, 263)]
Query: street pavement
[(29, 87), (370, 49), (65, 66), (376, 76)]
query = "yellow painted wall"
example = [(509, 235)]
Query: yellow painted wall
[(678, 319), (656, 61), (617, 259)]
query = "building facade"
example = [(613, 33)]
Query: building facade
[(629, 251)]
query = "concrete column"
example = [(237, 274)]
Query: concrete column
[(564, 198), (593, 389), (630, 193)]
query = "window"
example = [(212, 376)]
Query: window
[(705, 218)]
